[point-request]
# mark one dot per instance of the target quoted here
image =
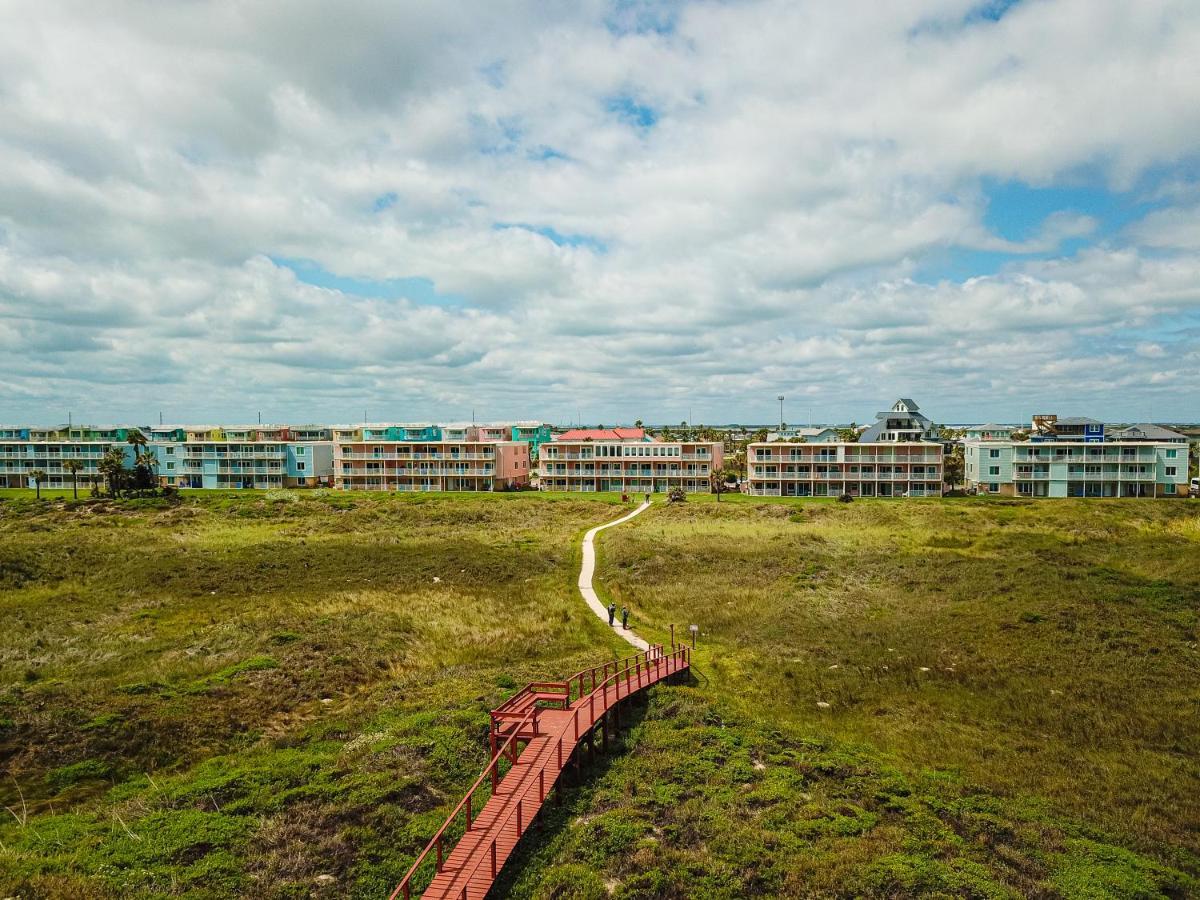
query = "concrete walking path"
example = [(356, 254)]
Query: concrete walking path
[(588, 569)]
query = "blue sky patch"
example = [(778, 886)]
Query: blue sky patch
[(418, 290), (562, 240), (384, 201), (629, 110), (991, 10), (1016, 211), (545, 154)]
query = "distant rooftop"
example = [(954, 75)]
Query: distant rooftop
[(602, 434), (1147, 432)]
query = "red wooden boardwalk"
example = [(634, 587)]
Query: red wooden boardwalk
[(550, 718)]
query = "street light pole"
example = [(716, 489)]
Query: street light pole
[(780, 398)]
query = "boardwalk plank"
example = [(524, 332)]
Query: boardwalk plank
[(468, 865)]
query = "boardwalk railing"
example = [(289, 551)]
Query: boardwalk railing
[(588, 695), (466, 805)]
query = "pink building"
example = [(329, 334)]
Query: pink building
[(426, 458)]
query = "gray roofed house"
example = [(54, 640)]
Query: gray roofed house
[(1147, 432), (903, 422)]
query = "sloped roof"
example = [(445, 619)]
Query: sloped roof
[(1147, 431), (1078, 420), (602, 434)]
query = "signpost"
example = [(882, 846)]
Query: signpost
[(694, 629)]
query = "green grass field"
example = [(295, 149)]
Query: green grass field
[(238, 694)]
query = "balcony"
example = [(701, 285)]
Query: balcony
[(360, 472), (411, 457)]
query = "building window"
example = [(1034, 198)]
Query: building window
[(299, 467), (1170, 471), (994, 454), (299, 451), (1171, 454), (993, 470)]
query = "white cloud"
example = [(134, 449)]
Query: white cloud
[(764, 234)]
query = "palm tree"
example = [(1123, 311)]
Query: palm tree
[(112, 467), (147, 461), (38, 476), (717, 482), (74, 466), (136, 440)]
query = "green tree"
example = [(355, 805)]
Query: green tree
[(38, 476), (74, 466), (144, 476), (953, 466), (849, 435), (717, 482), (112, 468), (136, 440)]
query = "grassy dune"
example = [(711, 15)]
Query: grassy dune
[(281, 696), (234, 695), (1035, 660)]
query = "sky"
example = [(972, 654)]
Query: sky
[(599, 211)]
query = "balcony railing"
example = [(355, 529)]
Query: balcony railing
[(409, 457), (479, 472)]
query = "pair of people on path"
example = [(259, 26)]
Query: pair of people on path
[(612, 615)]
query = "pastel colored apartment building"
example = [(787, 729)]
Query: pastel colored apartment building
[(426, 457), (1080, 457), (626, 460), (243, 457), (24, 450), (899, 456), (532, 433)]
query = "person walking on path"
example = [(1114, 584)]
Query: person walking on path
[(587, 569), (625, 617), (612, 614)]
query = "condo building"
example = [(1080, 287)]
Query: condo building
[(426, 457), (246, 456), (626, 460), (1080, 457), (899, 456), (27, 450)]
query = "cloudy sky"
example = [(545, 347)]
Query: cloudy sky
[(613, 210)]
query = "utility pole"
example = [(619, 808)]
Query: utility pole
[(780, 398)]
